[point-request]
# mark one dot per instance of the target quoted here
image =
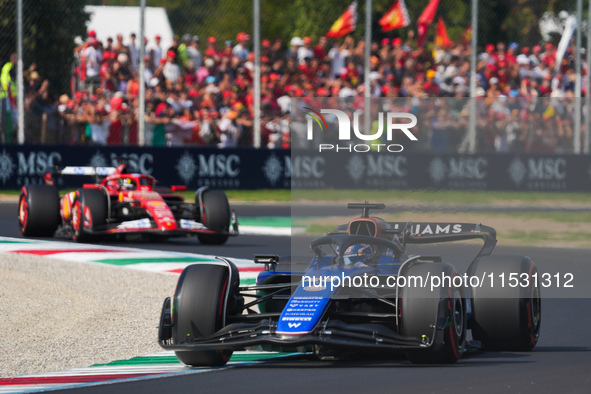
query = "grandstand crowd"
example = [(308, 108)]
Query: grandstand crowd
[(200, 92)]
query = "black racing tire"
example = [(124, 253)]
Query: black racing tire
[(89, 211), (423, 309), (506, 318), (214, 211), (39, 210), (198, 311)]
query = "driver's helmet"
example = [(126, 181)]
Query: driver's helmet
[(358, 255), (126, 184)]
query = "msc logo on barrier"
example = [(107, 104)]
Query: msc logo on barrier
[(6, 166), (459, 172), (345, 130), (142, 163), (296, 171), (545, 173), (215, 170)]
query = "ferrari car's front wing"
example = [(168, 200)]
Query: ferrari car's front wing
[(149, 226)]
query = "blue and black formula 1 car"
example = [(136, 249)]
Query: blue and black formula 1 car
[(361, 292)]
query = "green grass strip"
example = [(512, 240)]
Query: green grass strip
[(277, 195), (141, 361), (141, 260), (265, 195), (266, 221), (159, 360), (559, 217), (538, 237)]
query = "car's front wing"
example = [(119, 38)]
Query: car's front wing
[(149, 226), (330, 332)]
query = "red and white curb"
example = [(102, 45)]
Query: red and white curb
[(130, 258), (150, 366)]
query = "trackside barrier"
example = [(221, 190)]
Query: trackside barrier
[(284, 169)]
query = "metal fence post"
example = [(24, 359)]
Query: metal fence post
[(577, 131), (3, 114), (142, 68), (257, 73), (20, 99), (473, 45), (588, 84), (367, 81)]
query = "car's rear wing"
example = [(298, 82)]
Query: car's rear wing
[(435, 232), (86, 170), (78, 171), (427, 232)]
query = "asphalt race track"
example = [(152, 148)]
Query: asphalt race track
[(561, 362)]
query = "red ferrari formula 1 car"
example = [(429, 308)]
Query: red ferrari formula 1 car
[(123, 203)]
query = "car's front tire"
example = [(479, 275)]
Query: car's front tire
[(423, 309), (214, 212), (89, 210), (201, 302)]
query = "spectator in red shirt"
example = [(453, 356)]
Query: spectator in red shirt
[(545, 89), (108, 80), (320, 49), (511, 51), (211, 50), (549, 55), (227, 52), (430, 87)]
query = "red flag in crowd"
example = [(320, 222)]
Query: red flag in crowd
[(466, 35), (345, 24), (441, 37), (425, 21), (396, 17)]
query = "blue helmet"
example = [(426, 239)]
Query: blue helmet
[(359, 253)]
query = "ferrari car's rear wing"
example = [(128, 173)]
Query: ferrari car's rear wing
[(78, 171), (86, 170)]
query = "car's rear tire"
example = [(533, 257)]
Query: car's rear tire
[(506, 318), (423, 309), (214, 211), (199, 308), (89, 211), (39, 210)]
